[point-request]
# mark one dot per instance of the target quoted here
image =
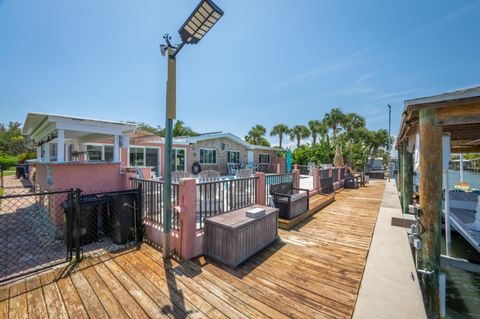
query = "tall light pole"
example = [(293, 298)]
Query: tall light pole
[(389, 137), (389, 125), (202, 19)]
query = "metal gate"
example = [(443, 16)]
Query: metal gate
[(32, 232), (44, 229)]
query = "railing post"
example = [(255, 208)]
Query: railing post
[(77, 226), (138, 214), (260, 196), (316, 181), (187, 208), (296, 178)]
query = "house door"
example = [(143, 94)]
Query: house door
[(250, 157)]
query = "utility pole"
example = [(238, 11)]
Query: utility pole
[(389, 146)]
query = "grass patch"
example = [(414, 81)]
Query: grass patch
[(8, 173)]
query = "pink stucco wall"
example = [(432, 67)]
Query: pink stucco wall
[(93, 177), (90, 178)]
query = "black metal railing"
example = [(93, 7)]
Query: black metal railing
[(335, 174), (214, 198), (153, 201), (324, 173), (273, 180)]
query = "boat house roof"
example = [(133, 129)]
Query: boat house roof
[(457, 112)]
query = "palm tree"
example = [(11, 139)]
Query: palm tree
[(179, 129), (317, 127), (256, 135), (376, 140), (299, 132), (353, 120), (280, 130), (334, 119)]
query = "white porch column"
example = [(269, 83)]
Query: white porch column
[(39, 153), (116, 148), (61, 146), (47, 152)]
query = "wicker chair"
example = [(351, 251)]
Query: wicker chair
[(177, 175), (289, 203), (244, 173), (209, 176)]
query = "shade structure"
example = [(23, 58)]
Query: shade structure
[(289, 160), (338, 160), (202, 19)]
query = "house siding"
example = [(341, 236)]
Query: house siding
[(229, 145), (216, 144)]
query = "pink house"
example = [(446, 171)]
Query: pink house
[(97, 155)]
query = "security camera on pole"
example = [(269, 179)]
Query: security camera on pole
[(205, 15)]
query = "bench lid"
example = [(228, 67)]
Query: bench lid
[(238, 218)]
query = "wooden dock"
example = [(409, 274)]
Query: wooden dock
[(317, 202), (313, 271)]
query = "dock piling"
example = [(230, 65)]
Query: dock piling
[(431, 203)]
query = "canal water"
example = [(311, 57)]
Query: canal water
[(463, 287)]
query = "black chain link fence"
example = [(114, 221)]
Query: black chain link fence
[(44, 229), (31, 232)]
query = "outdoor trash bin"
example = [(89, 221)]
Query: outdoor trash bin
[(121, 215), (87, 221), (19, 171)]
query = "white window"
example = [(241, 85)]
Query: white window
[(94, 152), (264, 159), (233, 157), (108, 153), (53, 151), (208, 156), (136, 156), (144, 156)]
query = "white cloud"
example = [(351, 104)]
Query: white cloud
[(326, 68)]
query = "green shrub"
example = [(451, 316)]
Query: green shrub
[(7, 161), (26, 156)]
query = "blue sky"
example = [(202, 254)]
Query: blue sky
[(265, 62)]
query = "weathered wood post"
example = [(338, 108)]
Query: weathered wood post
[(431, 204), (399, 177), (407, 177)]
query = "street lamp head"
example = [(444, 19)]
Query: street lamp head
[(202, 19)]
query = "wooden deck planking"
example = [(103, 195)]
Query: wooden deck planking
[(313, 271), (317, 202)]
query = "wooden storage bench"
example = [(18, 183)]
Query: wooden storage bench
[(232, 238)]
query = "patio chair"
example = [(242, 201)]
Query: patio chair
[(351, 181), (289, 203), (244, 173), (232, 168), (209, 176), (177, 175), (252, 166)]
